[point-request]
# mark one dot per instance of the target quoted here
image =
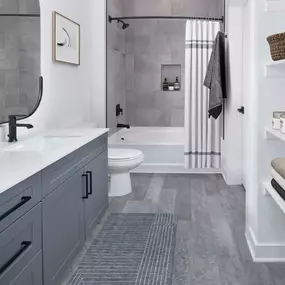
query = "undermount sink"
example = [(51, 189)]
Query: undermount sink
[(40, 143)]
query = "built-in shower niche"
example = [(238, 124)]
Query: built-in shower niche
[(170, 72)]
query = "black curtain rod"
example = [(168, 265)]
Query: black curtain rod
[(166, 17), (20, 15)]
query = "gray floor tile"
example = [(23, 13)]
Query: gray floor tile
[(179, 182), (211, 247), (203, 271), (145, 206), (182, 254), (116, 205), (166, 201), (183, 205), (155, 188), (140, 184)]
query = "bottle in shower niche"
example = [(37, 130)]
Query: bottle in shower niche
[(171, 86), (165, 85), (177, 84)]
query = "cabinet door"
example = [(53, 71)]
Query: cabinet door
[(97, 200), (63, 228), (32, 274)]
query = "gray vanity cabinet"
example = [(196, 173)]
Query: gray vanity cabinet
[(19, 200), (63, 228), (32, 273), (46, 219), (19, 244), (97, 172)]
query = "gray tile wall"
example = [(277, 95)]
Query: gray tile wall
[(148, 45), (116, 61), (19, 58), (151, 43), (202, 8)]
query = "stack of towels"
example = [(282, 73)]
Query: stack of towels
[(278, 175)]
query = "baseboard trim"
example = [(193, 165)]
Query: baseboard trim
[(172, 168), (262, 252)]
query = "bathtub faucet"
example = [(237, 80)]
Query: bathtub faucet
[(121, 126)]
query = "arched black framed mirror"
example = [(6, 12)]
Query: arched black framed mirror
[(21, 84)]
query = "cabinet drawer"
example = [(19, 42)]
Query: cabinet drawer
[(18, 200), (19, 244), (62, 170), (32, 273)]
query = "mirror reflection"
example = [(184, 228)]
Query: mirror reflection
[(20, 37)]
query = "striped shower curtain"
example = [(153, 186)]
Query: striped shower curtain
[(202, 134)]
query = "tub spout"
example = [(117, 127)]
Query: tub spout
[(121, 126)]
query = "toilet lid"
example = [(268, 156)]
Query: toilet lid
[(123, 154)]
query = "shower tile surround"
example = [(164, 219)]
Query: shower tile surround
[(203, 8), (149, 45), (19, 57), (140, 51)]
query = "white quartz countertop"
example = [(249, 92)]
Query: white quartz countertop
[(23, 159)]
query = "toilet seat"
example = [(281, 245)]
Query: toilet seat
[(124, 154)]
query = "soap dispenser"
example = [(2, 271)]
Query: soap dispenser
[(165, 84), (177, 84)]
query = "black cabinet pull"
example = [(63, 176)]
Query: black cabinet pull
[(90, 182), (24, 246), (24, 200), (86, 186)]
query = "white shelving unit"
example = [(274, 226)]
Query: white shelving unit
[(275, 69), (275, 5), (275, 196), (271, 134)]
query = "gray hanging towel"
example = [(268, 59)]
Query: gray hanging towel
[(215, 78)]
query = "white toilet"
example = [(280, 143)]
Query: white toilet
[(121, 162)]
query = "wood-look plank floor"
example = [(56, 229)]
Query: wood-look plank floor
[(211, 248)]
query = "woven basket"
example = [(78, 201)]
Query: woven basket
[(277, 46)]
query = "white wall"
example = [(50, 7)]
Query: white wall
[(232, 145), (245, 149), (250, 97), (265, 226), (73, 95), (97, 27)]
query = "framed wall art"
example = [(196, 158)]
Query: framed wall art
[(66, 40)]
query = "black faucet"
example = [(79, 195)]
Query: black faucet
[(121, 126), (13, 128)]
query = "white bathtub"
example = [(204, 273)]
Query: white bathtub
[(163, 148), (149, 136)]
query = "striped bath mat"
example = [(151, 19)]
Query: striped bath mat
[(131, 249)]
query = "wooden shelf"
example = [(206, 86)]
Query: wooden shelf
[(274, 5), (275, 69), (275, 196), (271, 134)]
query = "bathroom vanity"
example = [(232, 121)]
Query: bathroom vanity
[(53, 191)]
